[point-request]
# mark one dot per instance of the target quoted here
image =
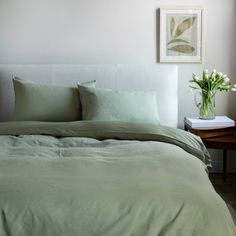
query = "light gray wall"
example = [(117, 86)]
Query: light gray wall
[(115, 32)]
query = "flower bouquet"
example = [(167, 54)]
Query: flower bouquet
[(208, 85)]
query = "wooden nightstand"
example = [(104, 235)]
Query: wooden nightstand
[(223, 138)]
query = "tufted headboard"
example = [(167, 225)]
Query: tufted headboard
[(160, 78)]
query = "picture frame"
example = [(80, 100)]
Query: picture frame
[(181, 35)]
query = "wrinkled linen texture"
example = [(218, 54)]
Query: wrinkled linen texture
[(105, 179)]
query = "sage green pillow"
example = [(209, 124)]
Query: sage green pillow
[(109, 105), (42, 102)]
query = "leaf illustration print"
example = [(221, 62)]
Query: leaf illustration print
[(177, 41), (172, 26), (184, 25), (187, 49)]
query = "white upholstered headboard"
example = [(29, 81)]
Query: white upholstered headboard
[(160, 78)]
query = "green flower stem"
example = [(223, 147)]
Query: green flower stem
[(207, 109)]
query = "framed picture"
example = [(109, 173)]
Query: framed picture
[(181, 35)]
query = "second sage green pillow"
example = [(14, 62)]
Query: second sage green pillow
[(43, 102), (109, 105)]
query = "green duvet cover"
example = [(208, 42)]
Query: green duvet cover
[(106, 179)]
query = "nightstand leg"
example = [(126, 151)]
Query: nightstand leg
[(224, 164)]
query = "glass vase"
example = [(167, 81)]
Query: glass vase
[(206, 105)]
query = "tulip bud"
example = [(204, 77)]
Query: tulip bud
[(226, 79)]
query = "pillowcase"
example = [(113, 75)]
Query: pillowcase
[(109, 105), (42, 102)]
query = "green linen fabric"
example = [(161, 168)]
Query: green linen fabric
[(70, 185), (113, 129), (110, 105), (44, 102)]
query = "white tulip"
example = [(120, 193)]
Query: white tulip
[(196, 78), (224, 76), (214, 71), (234, 85), (226, 79), (233, 89), (206, 71), (220, 74)]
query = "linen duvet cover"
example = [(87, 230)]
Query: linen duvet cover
[(106, 178)]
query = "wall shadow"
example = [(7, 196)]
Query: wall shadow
[(158, 35), (232, 95)]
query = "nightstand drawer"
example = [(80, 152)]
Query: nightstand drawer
[(211, 132)]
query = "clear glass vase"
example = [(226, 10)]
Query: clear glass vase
[(206, 105)]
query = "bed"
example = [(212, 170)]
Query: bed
[(94, 177)]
